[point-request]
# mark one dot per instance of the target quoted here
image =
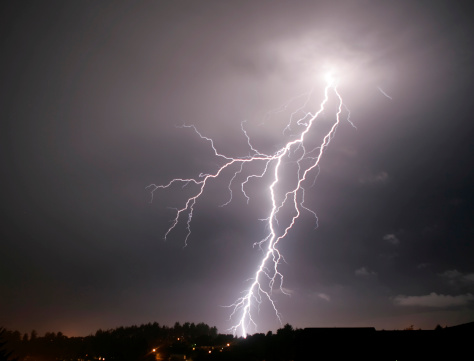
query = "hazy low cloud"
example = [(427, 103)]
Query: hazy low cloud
[(455, 277), (364, 272), (324, 296), (434, 300), (391, 238), (381, 177), (451, 274)]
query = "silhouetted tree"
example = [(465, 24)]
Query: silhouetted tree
[(5, 354), (286, 331)]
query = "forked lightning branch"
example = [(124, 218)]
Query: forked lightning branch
[(302, 151)]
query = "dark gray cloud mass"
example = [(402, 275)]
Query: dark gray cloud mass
[(92, 92)]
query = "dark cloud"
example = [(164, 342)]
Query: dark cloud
[(434, 300), (93, 95)]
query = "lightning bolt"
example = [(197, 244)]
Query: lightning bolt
[(267, 275), (384, 93)]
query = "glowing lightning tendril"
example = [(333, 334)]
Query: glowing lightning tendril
[(305, 161)]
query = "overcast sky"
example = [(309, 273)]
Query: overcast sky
[(92, 97)]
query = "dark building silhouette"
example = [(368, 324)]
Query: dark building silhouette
[(453, 343)]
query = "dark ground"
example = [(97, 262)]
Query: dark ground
[(201, 342)]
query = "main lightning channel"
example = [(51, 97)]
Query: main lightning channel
[(267, 275)]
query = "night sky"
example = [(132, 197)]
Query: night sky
[(92, 97)]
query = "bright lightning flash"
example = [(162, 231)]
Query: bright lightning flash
[(267, 276)]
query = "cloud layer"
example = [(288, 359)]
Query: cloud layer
[(434, 300)]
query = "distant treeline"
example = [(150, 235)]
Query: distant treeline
[(122, 343)]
